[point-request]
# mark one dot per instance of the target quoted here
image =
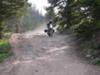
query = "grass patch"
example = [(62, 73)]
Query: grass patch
[(4, 49)]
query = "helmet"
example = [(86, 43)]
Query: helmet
[(50, 21)]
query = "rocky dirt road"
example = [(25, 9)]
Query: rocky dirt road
[(37, 54)]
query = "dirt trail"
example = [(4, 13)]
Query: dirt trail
[(37, 54)]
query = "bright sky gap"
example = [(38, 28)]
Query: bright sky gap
[(40, 5)]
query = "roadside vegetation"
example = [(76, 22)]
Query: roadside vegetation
[(16, 16), (5, 49), (9, 10), (82, 18)]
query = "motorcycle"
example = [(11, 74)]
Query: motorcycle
[(49, 32)]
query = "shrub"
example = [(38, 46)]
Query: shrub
[(4, 49)]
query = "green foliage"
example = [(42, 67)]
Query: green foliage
[(90, 49), (82, 15), (82, 32), (97, 61), (83, 18), (9, 9), (4, 49), (50, 13), (3, 56)]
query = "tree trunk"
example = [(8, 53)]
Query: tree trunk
[(17, 25)]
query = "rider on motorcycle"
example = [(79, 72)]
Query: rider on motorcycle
[(50, 29), (50, 25)]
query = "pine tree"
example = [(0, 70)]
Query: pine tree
[(9, 8)]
